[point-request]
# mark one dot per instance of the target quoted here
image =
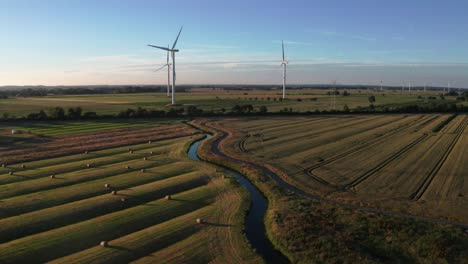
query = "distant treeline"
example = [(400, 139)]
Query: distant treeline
[(26, 91), (77, 113)]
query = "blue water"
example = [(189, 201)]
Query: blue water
[(254, 223)]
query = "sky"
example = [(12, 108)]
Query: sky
[(69, 42)]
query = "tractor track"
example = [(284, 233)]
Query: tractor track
[(415, 196), (383, 164), (242, 143), (309, 170)]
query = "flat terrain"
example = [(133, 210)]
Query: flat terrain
[(216, 100), (402, 163), (60, 196)]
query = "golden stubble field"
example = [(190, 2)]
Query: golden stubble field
[(413, 164)]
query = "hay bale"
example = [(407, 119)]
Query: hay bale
[(114, 192), (223, 177), (52, 176), (23, 166), (88, 165), (131, 151), (142, 170), (149, 142), (145, 158), (86, 152), (199, 221), (3, 165), (103, 244), (151, 152), (168, 197), (127, 167), (107, 185), (11, 173), (123, 199)]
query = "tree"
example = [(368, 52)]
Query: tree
[(236, 109), (57, 113), (74, 113), (371, 99), (346, 108), (263, 109)]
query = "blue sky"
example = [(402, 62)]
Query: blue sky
[(354, 42)]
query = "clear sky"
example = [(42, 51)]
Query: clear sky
[(68, 42)]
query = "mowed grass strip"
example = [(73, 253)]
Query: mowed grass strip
[(143, 242), (80, 176), (40, 200), (36, 169), (68, 170), (58, 216), (189, 250), (70, 239)]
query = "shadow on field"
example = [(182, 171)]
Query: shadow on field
[(217, 225)]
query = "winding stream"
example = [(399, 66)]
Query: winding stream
[(254, 222)]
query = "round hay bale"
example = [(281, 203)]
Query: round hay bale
[(103, 244), (149, 142), (123, 199), (199, 221), (3, 165), (145, 158), (11, 173), (86, 152), (114, 192), (88, 165), (168, 197), (223, 177), (127, 167), (131, 151), (52, 176), (142, 170), (151, 152), (23, 166), (107, 185)]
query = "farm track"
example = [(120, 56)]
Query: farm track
[(383, 164), (370, 143), (315, 133), (424, 124), (309, 170), (242, 143), (415, 196)]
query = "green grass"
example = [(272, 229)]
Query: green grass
[(208, 100), (60, 242)]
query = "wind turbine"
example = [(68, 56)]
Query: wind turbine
[(381, 85), (168, 65), (173, 50), (284, 63)]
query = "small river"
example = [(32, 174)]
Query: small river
[(254, 222)]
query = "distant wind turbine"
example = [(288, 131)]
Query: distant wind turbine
[(284, 63), (173, 50), (168, 65)]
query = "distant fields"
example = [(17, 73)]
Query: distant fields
[(59, 209), (214, 100), (394, 162)]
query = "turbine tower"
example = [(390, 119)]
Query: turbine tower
[(381, 85), (173, 50), (284, 63), (168, 65)]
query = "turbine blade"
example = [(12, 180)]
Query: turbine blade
[(163, 48), (175, 42), (282, 42), (161, 68)]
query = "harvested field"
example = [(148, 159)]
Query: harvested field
[(403, 163), (118, 199)]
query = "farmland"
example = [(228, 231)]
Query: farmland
[(133, 188), (410, 164), (218, 99)]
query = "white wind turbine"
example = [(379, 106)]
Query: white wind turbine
[(284, 63), (173, 51), (168, 65)]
